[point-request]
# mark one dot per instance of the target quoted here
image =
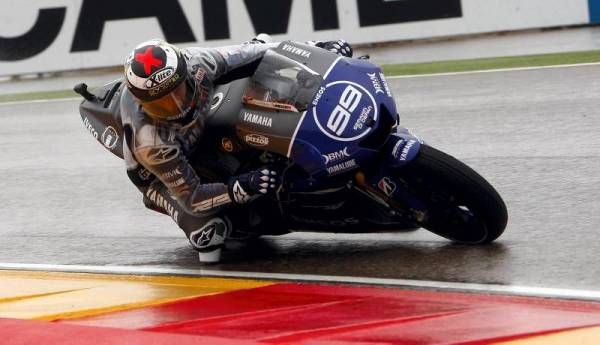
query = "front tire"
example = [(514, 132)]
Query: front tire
[(460, 204)]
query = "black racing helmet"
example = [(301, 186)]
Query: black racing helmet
[(156, 74)]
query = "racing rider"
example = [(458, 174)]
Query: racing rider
[(169, 91)]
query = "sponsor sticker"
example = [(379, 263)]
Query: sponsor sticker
[(342, 167), (376, 83), (362, 119), (387, 186), (296, 50), (90, 128), (319, 96), (163, 203), (110, 138), (158, 89), (217, 99), (261, 120), (205, 236), (202, 238), (257, 140), (406, 150), (171, 174), (176, 183), (159, 77), (345, 120), (212, 233), (160, 155), (388, 91), (336, 156), (239, 194)]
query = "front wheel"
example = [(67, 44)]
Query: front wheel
[(460, 204)]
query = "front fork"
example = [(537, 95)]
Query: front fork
[(386, 186)]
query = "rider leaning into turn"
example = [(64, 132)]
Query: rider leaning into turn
[(169, 91)]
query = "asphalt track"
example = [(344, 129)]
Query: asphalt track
[(533, 134)]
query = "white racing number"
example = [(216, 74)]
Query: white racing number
[(339, 118)]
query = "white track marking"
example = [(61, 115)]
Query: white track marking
[(387, 77), (547, 292), (289, 152), (331, 67), (499, 70), (37, 101)]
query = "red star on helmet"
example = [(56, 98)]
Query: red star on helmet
[(148, 60)]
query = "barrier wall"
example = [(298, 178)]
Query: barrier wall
[(54, 35)]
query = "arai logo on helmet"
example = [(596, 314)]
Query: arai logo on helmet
[(339, 120)]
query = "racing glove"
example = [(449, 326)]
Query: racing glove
[(248, 186), (260, 39), (340, 47)]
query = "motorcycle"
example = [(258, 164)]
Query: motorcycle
[(332, 123)]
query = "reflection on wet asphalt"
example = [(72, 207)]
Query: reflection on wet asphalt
[(533, 134)]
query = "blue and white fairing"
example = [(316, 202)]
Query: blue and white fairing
[(330, 115), (352, 104)]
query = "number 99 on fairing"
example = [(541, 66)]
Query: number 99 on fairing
[(340, 116)]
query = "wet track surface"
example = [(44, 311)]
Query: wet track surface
[(532, 134)]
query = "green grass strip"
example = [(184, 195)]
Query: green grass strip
[(493, 63), (406, 69)]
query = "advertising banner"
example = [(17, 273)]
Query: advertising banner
[(57, 35)]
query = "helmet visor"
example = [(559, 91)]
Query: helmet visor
[(174, 105)]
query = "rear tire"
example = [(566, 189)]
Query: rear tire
[(461, 205)]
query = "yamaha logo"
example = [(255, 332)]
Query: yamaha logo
[(296, 50), (260, 120)]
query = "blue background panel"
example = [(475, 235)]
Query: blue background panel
[(594, 11)]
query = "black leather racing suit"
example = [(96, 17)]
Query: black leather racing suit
[(163, 157)]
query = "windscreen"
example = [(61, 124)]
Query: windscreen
[(281, 83)]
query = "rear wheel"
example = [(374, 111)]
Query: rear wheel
[(460, 204)]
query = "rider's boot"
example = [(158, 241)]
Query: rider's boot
[(209, 240)]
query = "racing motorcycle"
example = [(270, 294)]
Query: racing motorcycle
[(348, 164)]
